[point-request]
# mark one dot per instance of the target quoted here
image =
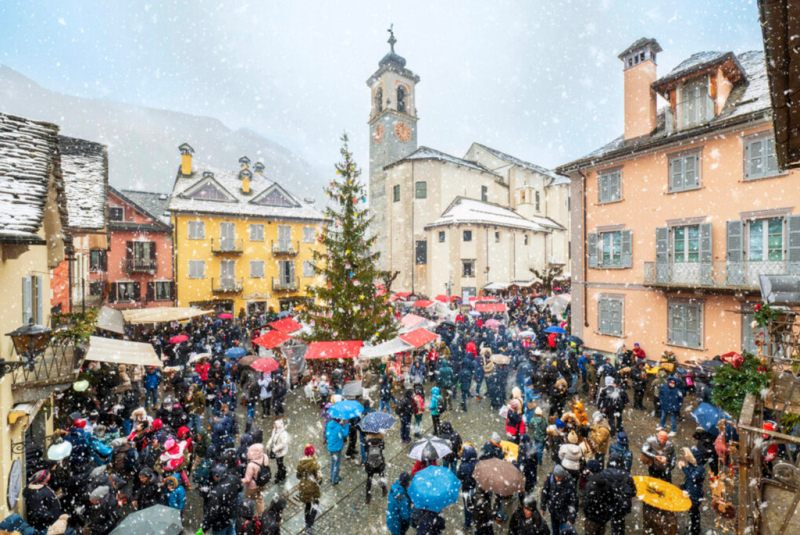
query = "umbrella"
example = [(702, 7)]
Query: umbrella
[(575, 339), (434, 488), (236, 352), (501, 359), (265, 365), (158, 519), (708, 416), (60, 451), (499, 476), (248, 360), (225, 316), (345, 410), (199, 356), (429, 449), (474, 313), (352, 389), (661, 495), (538, 301), (284, 313), (377, 422), (449, 323), (527, 333), (555, 329), (493, 323), (178, 338)]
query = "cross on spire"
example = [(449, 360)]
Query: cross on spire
[(392, 39)]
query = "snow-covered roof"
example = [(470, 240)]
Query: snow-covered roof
[(156, 205), (28, 151), (85, 168), (464, 211), (525, 165), (238, 203), (746, 98), (427, 153)]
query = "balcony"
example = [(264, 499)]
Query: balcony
[(226, 286), (719, 275), (134, 265), (279, 285), (59, 365), (227, 246), (281, 248)]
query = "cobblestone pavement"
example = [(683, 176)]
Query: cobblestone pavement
[(343, 510)]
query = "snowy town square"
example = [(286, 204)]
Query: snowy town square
[(451, 268)]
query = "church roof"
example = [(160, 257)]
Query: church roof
[(557, 178), (465, 211), (427, 153)]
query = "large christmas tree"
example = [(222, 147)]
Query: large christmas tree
[(346, 305)]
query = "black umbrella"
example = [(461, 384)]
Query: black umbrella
[(430, 449)]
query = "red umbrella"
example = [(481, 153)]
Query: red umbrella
[(178, 338), (265, 365), (226, 316)]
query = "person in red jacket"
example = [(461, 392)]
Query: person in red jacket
[(638, 352), (551, 340), (472, 348)]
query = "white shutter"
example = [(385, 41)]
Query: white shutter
[(690, 172), (676, 174), (308, 269), (309, 234), (27, 300), (755, 163), (39, 318)]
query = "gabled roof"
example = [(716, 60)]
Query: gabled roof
[(427, 153), (465, 211), (525, 165), (702, 61), (28, 156), (152, 205), (85, 168)]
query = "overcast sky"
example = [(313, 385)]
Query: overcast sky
[(538, 79)]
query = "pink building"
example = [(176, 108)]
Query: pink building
[(139, 261)]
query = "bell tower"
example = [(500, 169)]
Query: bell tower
[(393, 132)]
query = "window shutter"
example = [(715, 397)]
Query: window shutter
[(103, 260), (692, 325), (676, 174), (662, 254), (626, 248), (151, 291), (137, 291), (734, 242), (602, 314), (706, 257), (793, 244), (112, 292), (614, 187), (672, 324), (615, 317), (755, 166), (129, 250), (172, 291), (690, 172), (27, 300), (39, 318), (291, 271), (592, 253), (603, 189), (771, 159), (153, 257)]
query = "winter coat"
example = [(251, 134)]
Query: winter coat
[(449, 434), (430, 523), (385, 388), (613, 399), (515, 424), (693, 485), (176, 498), (219, 507), (465, 377), (671, 398), (152, 379), (417, 373), (309, 476), (42, 505), (469, 458), (528, 463), (570, 455), (374, 445), (256, 458), (538, 428), (148, 494), (535, 525), (197, 403), (600, 437), (624, 490), (278, 443), (560, 498), (490, 450), (435, 400), (598, 499), (335, 434), (266, 386), (653, 448), (104, 516), (625, 455), (272, 517), (398, 508), (446, 378)]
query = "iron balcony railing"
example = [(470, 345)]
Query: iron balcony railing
[(60, 364), (279, 285), (285, 248), (227, 246), (721, 274), (140, 264), (227, 285)]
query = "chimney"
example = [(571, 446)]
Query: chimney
[(639, 64), (258, 167), (245, 162), (186, 159), (245, 175)]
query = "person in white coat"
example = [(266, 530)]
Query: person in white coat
[(570, 455), (278, 446), (266, 394)]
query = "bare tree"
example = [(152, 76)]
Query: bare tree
[(547, 275), (388, 278)]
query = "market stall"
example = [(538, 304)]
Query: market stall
[(122, 352), (324, 357), (286, 325), (143, 316)]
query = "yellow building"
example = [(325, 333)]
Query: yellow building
[(242, 241)]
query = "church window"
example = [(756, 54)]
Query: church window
[(537, 201), (396, 193), (421, 190), (379, 100), (401, 99), (484, 193)]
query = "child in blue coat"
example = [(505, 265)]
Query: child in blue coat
[(176, 496)]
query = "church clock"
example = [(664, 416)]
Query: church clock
[(377, 134), (402, 131)]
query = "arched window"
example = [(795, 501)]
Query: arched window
[(401, 98), (379, 100)]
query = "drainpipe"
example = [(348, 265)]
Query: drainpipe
[(413, 236), (585, 251)]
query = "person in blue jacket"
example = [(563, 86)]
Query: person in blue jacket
[(622, 448), (480, 375), (695, 474), (671, 398), (465, 378), (335, 433), (398, 508), (151, 381), (176, 495)]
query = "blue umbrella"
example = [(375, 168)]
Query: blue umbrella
[(236, 352), (434, 488), (345, 410), (554, 329), (284, 313), (377, 422), (708, 416), (575, 339)]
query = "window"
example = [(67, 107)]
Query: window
[(525, 239), (257, 232), (401, 99), (126, 291), (274, 198), (197, 230), (144, 252), (441, 236), (760, 159), (609, 187), (537, 201), (396, 193), (421, 190), (610, 248), (467, 235), (32, 301), (197, 269), (421, 256), (684, 172), (286, 273), (209, 192), (227, 236), (497, 237), (116, 213), (750, 334), (685, 324), (484, 193), (686, 244), (96, 288), (309, 234), (308, 268), (98, 260), (256, 269), (697, 105), (468, 268), (162, 291), (765, 240), (609, 316), (522, 197)]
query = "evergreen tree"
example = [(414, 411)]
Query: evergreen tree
[(346, 305)]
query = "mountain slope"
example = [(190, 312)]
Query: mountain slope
[(143, 142)]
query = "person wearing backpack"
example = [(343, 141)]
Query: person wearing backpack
[(256, 475), (445, 380), (437, 407), (405, 408), (376, 464), (247, 520)]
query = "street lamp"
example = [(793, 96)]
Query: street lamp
[(29, 341)]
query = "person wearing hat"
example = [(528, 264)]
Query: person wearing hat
[(103, 515), (151, 381), (570, 456), (41, 502), (600, 437), (638, 352), (639, 383), (147, 490), (308, 487), (219, 507), (694, 473), (537, 428), (598, 500), (175, 495), (624, 489), (622, 448), (671, 398), (560, 499), (527, 520), (492, 449)]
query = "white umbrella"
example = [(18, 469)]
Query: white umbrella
[(430, 449), (199, 356)]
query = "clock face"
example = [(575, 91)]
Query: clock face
[(402, 131), (377, 134)]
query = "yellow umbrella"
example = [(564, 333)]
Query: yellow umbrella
[(653, 370), (661, 495)]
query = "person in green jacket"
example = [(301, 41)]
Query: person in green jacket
[(446, 380), (537, 428), (660, 381)]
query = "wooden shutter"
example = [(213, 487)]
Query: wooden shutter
[(793, 244), (690, 172), (692, 325), (104, 261), (626, 248), (603, 188), (662, 254), (129, 250), (615, 186), (39, 317), (706, 257), (153, 258), (137, 291), (734, 242), (27, 300), (112, 292), (755, 165), (151, 292), (172, 290), (770, 158), (674, 332), (602, 316), (592, 252), (676, 174), (615, 316)]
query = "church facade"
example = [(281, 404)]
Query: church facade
[(452, 225)]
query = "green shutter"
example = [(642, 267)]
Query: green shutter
[(662, 254), (706, 257), (626, 248), (755, 163), (793, 244), (676, 174), (734, 240), (592, 252)]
